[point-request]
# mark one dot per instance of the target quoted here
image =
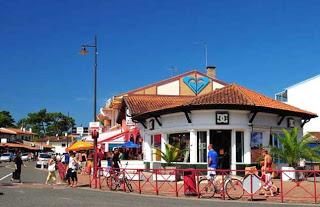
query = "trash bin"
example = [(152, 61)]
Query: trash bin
[(189, 182)]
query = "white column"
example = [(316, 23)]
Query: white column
[(193, 147), (164, 141), (147, 151), (246, 146), (233, 150)]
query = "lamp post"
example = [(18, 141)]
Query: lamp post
[(84, 51)]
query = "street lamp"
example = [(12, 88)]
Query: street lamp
[(84, 51)]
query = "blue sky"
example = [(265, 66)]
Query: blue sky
[(263, 45)]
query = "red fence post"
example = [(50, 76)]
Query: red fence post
[(223, 179), (281, 186), (315, 186), (198, 186), (251, 188), (139, 183), (176, 181), (157, 190)]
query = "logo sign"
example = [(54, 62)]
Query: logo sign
[(222, 118), (79, 130), (151, 124), (196, 84), (291, 123), (129, 121)]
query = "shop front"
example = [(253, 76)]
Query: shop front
[(238, 122)]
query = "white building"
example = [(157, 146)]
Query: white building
[(304, 95), (235, 120)]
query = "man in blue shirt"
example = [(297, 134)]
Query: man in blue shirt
[(212, 162)]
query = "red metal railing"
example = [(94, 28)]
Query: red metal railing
[(171, 182)]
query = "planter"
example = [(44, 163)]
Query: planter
[(287, 176)]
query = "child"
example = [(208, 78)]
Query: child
[(266, 178)]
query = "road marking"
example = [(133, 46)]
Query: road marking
[(9, 167), (4, 177)]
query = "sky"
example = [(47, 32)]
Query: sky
[(263, 45)]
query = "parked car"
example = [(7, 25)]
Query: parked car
[(25, 157), (7, 157), (42, 160)]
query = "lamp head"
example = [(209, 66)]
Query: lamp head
[(84, 51)]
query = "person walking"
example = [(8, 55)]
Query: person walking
[(115, 160), (72, 171), (61, 169), (16, 175), (51, 171), (212, 162)]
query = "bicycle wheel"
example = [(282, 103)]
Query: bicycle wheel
[(206, 188), (114, 184), (234, 189), (128, 184)]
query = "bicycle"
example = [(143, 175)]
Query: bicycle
[(117, 178), (232, 187)]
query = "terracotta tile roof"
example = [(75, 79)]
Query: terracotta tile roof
[(139, 104), (19, 131), (17, 145), (234, 94)]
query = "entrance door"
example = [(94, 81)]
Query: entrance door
[(221, 142)]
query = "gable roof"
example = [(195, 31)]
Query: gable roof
[(174, 79), (229, 97)]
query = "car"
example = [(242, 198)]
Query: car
[(42, 160), (25, 157), (7, 157)]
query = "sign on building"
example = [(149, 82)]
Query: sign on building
[(80, 130), (129, 121), (222, 118)]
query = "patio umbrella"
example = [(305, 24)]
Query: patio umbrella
[(80, 145), (130, 145)]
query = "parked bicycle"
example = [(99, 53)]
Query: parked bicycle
[(117, 179), (227, 185)]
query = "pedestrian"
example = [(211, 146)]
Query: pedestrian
[(61, 169), (83, 161), (115, 160), (212, 162), (72, 171), (267, 172), (16, 175), (51, 171)]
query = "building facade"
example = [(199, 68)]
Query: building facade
[(304, 95)]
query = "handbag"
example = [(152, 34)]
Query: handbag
[(52, 168)]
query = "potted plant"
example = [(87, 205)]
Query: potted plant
[(293, 149), (170, 155)]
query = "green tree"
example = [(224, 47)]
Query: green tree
[(6, 119), (294, 148), (47, 124)]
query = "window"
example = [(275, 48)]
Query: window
[(156, 146), (275, 143), (183, 141), (239, 146), (202, 146)]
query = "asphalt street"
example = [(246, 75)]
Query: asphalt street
[(33, 193)]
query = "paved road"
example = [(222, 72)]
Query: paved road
[(31, 193)]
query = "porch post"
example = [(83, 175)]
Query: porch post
[(193, 147), (164, 141), (247, 149)]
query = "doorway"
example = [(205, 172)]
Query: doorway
[(221, 142)]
